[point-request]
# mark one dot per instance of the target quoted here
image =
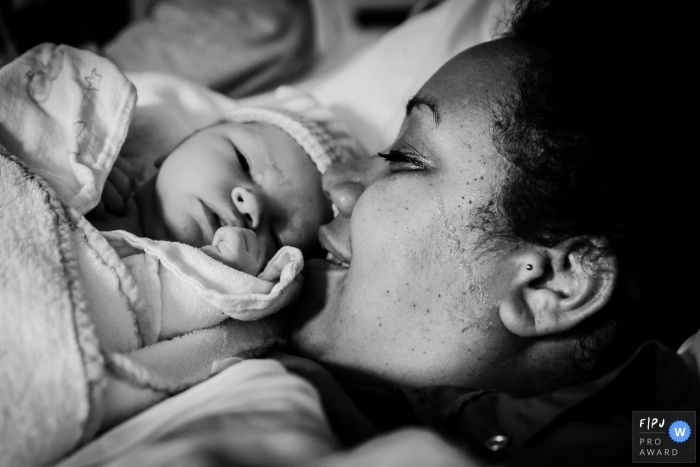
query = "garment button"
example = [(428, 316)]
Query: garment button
[(496, 443)]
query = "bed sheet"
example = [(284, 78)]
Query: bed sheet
[(277, 417)]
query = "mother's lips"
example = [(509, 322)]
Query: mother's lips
[(335, 238)]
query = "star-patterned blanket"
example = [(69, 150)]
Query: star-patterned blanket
[(65, 113)]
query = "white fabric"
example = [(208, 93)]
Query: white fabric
[(370, 92), (237, 46), (367, 94), (183, 289), (408, 447), (324, 139), (256, 390), (65, 113), (331, 25), (143, 369), (51, 371)]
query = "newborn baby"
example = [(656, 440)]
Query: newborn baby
[(246, 191), (139, 314), (241, 189)]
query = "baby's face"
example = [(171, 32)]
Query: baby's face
[(251, 175)]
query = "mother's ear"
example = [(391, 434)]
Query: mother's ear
[(554, 289)]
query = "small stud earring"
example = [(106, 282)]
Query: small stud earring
[(529, 267)]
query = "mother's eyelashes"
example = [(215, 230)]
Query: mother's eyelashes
[(400, 160)]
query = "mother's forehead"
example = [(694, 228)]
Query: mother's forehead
[(478, 76)]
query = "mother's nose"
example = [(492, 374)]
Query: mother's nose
[(344, 182), (249, 205)]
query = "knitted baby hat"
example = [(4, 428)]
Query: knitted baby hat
[(323, 139)]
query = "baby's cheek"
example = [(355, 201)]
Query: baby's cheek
[(258, 178), (310, 213), (302, 230), (303, 234)]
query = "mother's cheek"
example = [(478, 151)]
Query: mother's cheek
[(387, 238), (454, 266)]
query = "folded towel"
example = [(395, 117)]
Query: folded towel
[(52, 374)]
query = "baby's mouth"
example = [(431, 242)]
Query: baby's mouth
[(226, 222), (214, 221)]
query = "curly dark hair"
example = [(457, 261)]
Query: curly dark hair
[(595, 146)]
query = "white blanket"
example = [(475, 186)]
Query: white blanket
[(65, 113), (278, 420)]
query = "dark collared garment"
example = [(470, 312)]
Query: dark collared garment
[(588, 424)]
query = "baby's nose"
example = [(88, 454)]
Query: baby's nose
[(249, 205)]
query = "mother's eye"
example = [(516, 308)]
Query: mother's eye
[(400, 160)]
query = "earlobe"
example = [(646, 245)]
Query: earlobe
[(554, 289)]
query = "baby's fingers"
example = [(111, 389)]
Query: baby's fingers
[(238, 248), (117, 189), (238, 238)]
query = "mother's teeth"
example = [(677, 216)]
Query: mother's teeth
[(334, 260)]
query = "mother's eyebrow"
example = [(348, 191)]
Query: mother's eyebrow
[(427, 101)]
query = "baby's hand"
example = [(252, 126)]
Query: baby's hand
[(237, 248), (117, 190)]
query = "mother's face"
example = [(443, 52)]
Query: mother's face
[(417, 305)]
